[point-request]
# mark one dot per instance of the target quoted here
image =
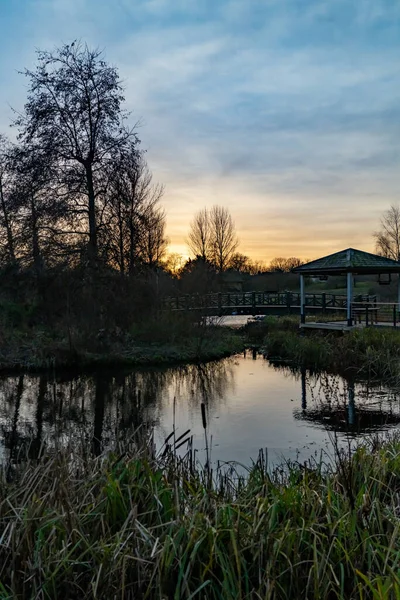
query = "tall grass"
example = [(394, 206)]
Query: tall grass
[(136, 525), (370, 352)]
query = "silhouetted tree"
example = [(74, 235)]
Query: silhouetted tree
[(240, 262), (153, 241), (198, 276), (388, 237), (133, 223), (284, 265), (199, 238), (224, 240), (33, 199), (7, 211), (244, 264), (212, 236), (74, 113), (173, 263)]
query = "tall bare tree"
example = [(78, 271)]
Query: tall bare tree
[(153, 241), (133, 224), (74, 111), (36, 205), (199, 238), (224, 240), (387, 239), (7, 182), (212, 237)]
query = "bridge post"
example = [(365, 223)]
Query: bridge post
[(349, 298), (253, 302), (289, 301), (219, 305), (398, 292), (323, 303), (302, 300)]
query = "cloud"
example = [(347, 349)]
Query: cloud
[(286, 111)]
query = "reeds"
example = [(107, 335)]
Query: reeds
[(368, 353), (134, 524)]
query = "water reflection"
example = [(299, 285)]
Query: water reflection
[(333, 405), (232, 407), (98, 409)]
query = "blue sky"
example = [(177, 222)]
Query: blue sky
[(285, 111)]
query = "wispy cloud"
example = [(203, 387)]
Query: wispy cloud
[(287, 111)]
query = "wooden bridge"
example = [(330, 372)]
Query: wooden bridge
[(259, 303)]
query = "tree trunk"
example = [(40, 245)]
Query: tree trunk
[(121, 240), (132, 239), (92, 245), (36, 253), (7, 225)]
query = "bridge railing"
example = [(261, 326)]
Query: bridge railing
[(250, 301)]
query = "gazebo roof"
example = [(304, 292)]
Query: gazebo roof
[(349, 261)]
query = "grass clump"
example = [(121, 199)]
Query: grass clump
[(136, 525)]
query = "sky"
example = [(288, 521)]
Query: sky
[(287, 112)]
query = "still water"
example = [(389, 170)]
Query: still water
[(249, 404)]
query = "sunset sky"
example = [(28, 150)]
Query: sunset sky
[(285, 111)]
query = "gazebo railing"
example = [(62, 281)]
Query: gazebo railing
[(376, 313)]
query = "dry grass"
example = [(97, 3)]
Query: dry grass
[(137, 525)]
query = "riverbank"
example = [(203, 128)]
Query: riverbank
[(372, 353), (133, 525), (160, 341)]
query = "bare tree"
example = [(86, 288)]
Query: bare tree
[(74, 112), (387, 239), (244, 264), (36, 206), (173, 263), (7, 181), (153, 241), (240, 262), (199, 238), (284, 265), (133, 224), (293, 262), (224, 240)]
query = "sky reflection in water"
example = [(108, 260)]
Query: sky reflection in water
[(249, 403)]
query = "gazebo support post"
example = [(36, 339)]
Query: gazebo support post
[(349, 298), (302, 300), (398, 293)]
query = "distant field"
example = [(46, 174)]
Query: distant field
[(360, 288)]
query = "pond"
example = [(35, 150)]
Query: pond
[(248, 404)]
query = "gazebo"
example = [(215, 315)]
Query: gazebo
[(349, 262)]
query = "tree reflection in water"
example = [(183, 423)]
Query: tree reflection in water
[(99, 409)]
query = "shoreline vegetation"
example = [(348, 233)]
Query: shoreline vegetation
[(165, 338), (370, 353), (133, 524), (161, 341)]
